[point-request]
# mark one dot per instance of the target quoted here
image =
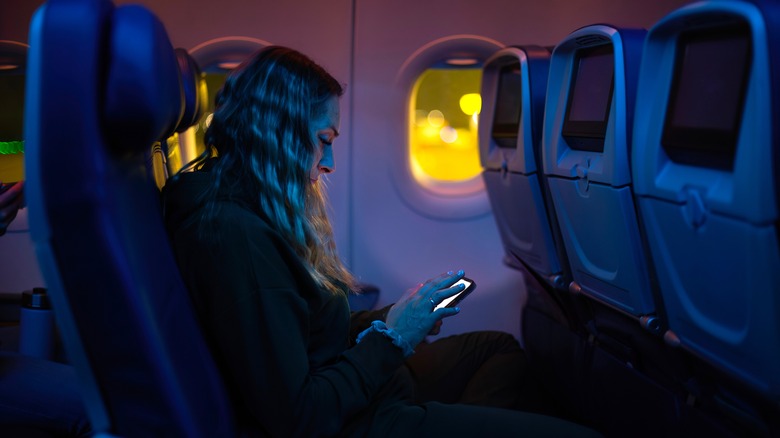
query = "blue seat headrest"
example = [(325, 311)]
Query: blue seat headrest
[(143, 94), (193, 90)]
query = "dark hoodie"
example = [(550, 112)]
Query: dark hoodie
[(282, 344)]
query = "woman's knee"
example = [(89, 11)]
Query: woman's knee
[(499, 342)]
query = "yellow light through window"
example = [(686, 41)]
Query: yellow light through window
[(214, 82), (470, 103), (192, 140), (443, 124), (11, 127)]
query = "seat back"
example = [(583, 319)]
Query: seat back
[(514, 83), (166, 154), (193, 90), (705, 165), (586, 149), (103, 85)]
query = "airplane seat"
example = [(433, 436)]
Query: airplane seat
[(586, 156), (705, 169), (103, 85), (514, 85), (193, 90), (194, 96)]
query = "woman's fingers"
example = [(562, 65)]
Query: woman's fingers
[(415, 315), (442, 288), (446, 312), (442, 295), (443, 281)]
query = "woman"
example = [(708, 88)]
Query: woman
[(255, 248)]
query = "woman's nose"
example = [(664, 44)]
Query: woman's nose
[(326, 164)]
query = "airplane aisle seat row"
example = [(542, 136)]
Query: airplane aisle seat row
[(534, 200), (586, 144), (668, 232), (705, 167), (103, 85)]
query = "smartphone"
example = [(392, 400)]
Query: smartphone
[(457, 298)]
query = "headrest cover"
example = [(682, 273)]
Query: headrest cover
[(143, 90), (193, 90)]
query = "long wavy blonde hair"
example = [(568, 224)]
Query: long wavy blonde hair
[(262, 134)]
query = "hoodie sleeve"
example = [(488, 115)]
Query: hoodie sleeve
[(251, 296), (360, 320)]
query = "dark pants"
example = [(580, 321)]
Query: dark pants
[(450, 421), (483, 368), (487, 369)]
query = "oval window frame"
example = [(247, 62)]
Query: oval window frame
[(430, 197)]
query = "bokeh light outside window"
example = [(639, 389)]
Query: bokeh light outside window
[(444, 109)]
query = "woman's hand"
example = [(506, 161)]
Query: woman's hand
[(413, 316), (11, 199)]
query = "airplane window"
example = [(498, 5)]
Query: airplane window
[(11, 125), (214, 81), (445, 105), (173, 159), (194, 136)]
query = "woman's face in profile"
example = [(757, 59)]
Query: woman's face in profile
[(326, 129)]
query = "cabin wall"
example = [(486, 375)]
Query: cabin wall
[(367, 44)]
